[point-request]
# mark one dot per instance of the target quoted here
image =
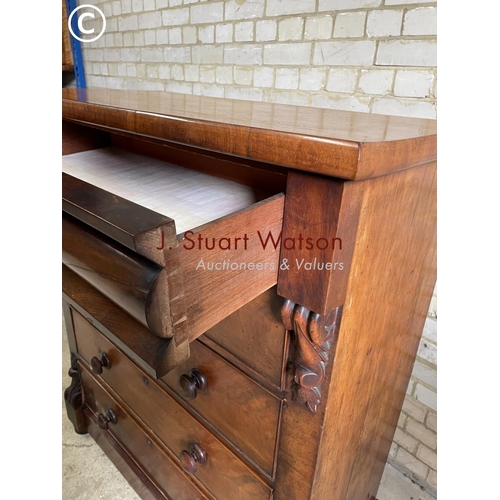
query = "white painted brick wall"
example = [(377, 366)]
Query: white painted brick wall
[(407, 53), (420, 21), (287, 54), (383, 23), (224, 74), (206, 34), (416, 109), (411, 83), (285, 7), (266, 30), (192, 72), (243, 54), (345, 53), (347, 4), (224, 33), (128, 23), (243, 75), (243, 32), (210, 90), (264, 77), (349, 25), (175, 36), (350, 103), (341, 80), (207, 74), (377, 82), (312, 78), (188, 34), (406, 2), (174, 54), (287, 78), (149, 20), (212, 54), (244, 10), (174, 17), (318, 28), (212, 12), (290, 29), (374, 56)]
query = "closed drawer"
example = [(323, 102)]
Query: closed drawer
[(224, 475), (229, 401), (177, 249), (155, 463), (261, 342), (240, 409)]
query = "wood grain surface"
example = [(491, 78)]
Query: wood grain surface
[(230, 404), (341, 144), (392, 277), (76, 138), (67, 54), (264, 177), (135, 476), (155, 463), (224, 475), (262, 356), (155, 355), (369, 180), (134, 283), (317, 242), (116, 217), (212, 294)]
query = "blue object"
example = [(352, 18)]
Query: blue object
[(76, 48)]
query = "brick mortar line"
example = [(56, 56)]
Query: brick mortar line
[(404, 429), (413, 477), (356, 92), (426, 362), (428, 69), (234, 85), (383, 38), (421, 382)]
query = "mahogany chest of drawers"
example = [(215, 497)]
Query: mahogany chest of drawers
[(244, 289)]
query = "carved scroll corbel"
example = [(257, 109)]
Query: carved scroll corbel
[(315, 335), (73, 399)]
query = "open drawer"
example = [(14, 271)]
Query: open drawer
[(177, 249)]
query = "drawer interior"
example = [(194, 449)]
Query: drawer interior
[(189, 197), (125, 209)]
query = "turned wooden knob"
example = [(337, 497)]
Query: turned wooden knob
[(189, 385), (190, 459), (104, 420), (97, 364)]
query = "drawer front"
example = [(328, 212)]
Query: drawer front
[(126, 278), (255, 335), (178, 284), (231, 402), (144, 450), (224, 475)]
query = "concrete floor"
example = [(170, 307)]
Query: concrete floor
[(89, 475)]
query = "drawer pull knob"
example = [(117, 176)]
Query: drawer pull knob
[(190, 459), (104, 420), (97, 364), (189, 385)]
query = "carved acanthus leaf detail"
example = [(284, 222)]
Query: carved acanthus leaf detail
[(315, 335)]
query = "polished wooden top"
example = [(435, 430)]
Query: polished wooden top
[(342, 144)]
